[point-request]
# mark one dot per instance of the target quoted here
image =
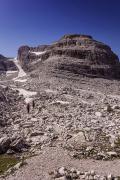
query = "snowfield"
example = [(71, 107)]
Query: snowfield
[(27, 94), (22, 78), (38, 53), (8, 73), (21, 72)]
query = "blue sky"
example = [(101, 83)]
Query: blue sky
[(35, 22)]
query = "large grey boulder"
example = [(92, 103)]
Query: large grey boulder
[(18, 145), (77, 141), (4, 144)]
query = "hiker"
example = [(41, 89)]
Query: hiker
[(33, 104), (28, 108)]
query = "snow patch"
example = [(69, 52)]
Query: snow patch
[(60, 102), (20, 80), (21, 72), (63, 102), (38, 53), (28, 95), (11, 72)]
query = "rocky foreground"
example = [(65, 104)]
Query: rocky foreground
[(73, 127)]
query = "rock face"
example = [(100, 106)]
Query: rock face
[(4, 144), (78, 54), (6, 65), (23, 55)]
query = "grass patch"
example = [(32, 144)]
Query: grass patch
[(6, 162)]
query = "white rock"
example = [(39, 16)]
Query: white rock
[(35, 140), (98, 114), (77, 140), (18, 165), (34, 119), (92, 172), (16, 127), (112, 140), (62, 171), (73, 170), (78, 172), (112, 153), (116, 107), (61, 178), (109, 177), (89, 148)]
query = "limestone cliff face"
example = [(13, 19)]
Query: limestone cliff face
[(23, 55), (79, 54), (6, 65)]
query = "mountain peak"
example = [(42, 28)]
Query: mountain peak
[(83, 54), (71, 36)]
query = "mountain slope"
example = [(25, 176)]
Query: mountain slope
[(76, 54), (6, 64)]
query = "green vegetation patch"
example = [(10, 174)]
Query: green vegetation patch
[(6, 162)]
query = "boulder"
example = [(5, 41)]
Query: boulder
[(18, 145), (4, 144), (108, 108), (77, 141)]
